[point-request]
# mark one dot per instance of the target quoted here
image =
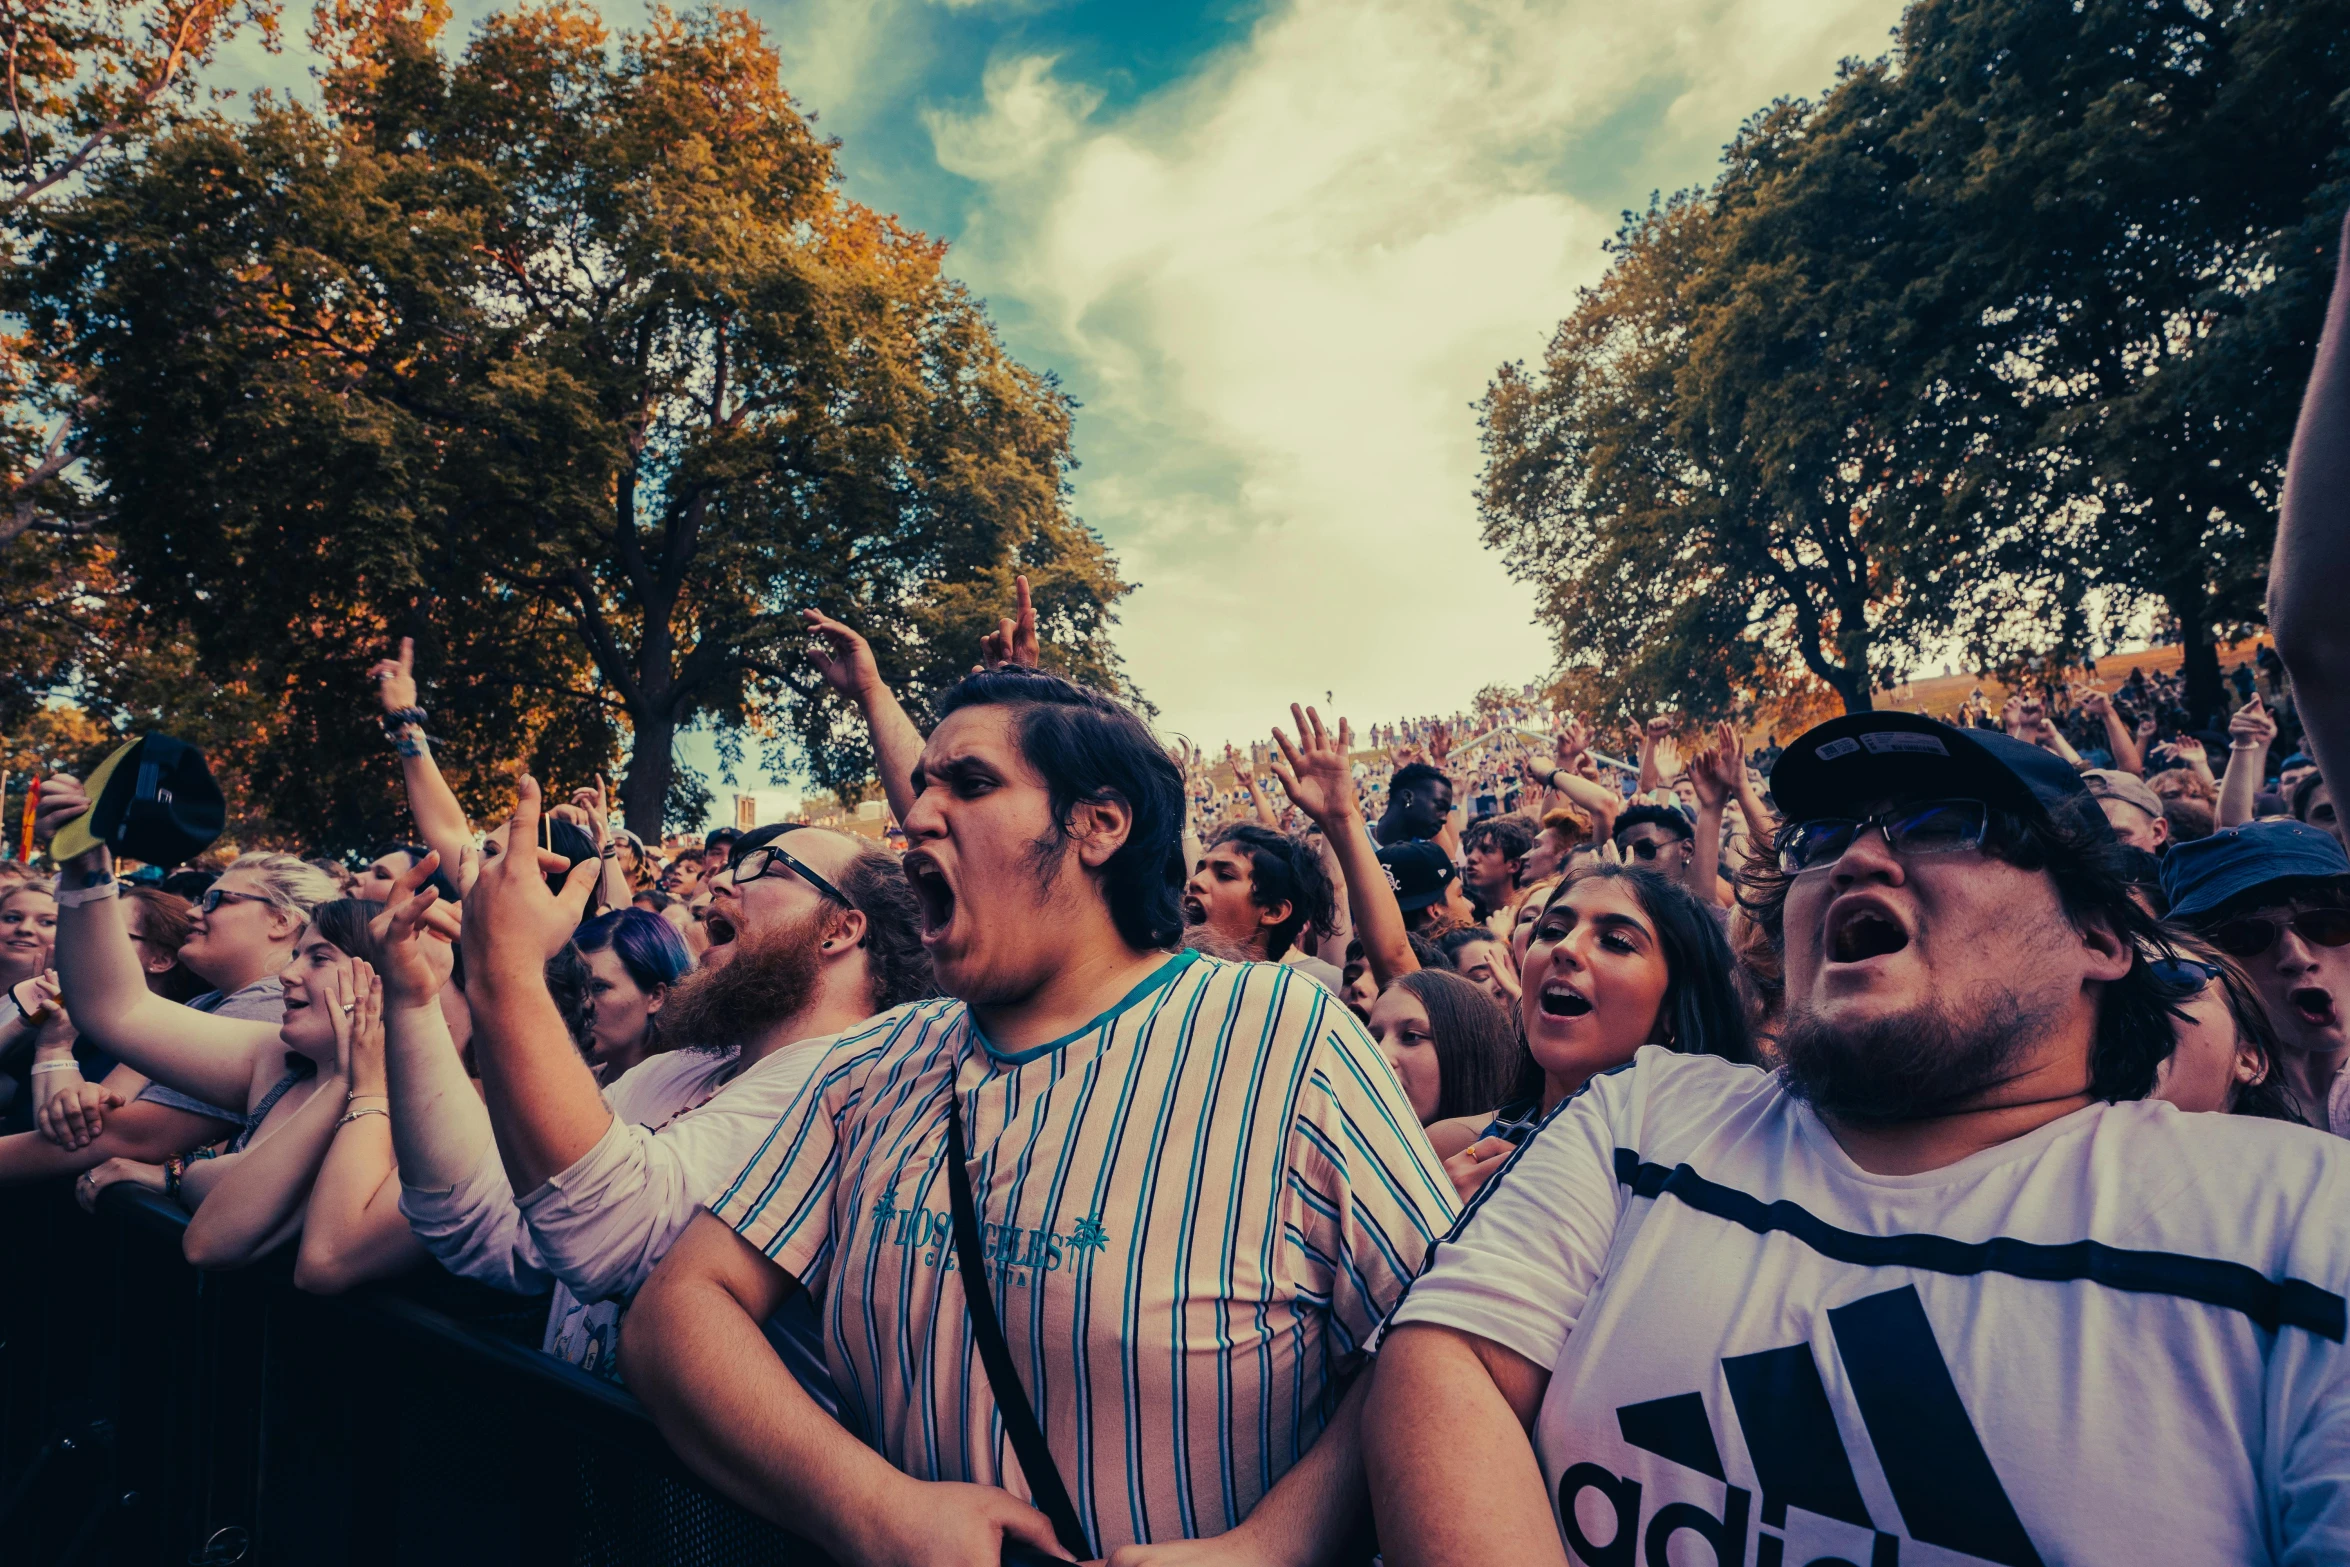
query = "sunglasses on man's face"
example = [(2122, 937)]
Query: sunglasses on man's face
[(2255, 934), (1929, 827)]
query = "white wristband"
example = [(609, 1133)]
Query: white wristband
[(55, 1066), (81, 895)]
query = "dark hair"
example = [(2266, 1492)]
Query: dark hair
[(2272, 1098), (647, 945), (190, 884), (1512, 835), (1283, 869), (1451, 942), (1088, 748), (1700, 1010), (2308, 786), (1669, 817), (2078, 850), (2189, 818), (652, 895), (344, 922), (894, 955), (165, 921), (1476, 1045), (1415, 775), (414, 851)]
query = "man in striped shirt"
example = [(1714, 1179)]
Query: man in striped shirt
[(1197, 1182)]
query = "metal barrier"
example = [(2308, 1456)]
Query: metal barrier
[(151, 1414)]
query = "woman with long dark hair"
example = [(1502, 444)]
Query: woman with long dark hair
[(1619, 958)]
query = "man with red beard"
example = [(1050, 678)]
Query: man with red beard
[(1946, 1286), (1190, 1187), (547, 1179)]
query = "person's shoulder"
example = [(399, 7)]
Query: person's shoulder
[(917, 1025), (655, 1086), (1661, 1096)]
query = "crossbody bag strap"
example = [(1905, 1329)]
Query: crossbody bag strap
[(1011, 1398)]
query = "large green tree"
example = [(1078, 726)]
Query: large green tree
[(2136, 200), (1707, 477), (566, 355), (1995, 343)]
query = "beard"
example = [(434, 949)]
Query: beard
[(1929, 1061), (768, 980)]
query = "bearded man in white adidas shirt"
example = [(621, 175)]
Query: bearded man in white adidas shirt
[(1947, 1288)]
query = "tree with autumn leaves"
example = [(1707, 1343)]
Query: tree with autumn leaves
[(1994, 346), (572, 362)]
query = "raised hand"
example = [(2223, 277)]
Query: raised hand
[(395, 678), (356, 998), (1014, 639), (2145, 732), (841, 655), (61, 799), (415, 937), (1668, 759), (513, 924), (594, 804), (1440, 743), (1574, 738), (2095, 702), (2189, 752), (1659, 729), (2252, 725), (1714, 770), (1316, 772)]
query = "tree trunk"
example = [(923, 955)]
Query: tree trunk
[(644, 793), (2190, 608)]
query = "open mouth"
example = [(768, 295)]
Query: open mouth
[(2314, 1005), (1858, 932), (932, 892), (1194, 911), (295, 1003), (1564, 1001), (718, 928)]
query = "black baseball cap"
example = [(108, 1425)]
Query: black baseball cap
[(1418, 871), (153, 800), (1836, 768)]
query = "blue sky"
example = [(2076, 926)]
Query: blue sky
[(1276, 249)]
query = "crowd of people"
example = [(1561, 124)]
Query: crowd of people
[(1920, 1137)]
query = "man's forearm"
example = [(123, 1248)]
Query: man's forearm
[(439, 1127), (897, 746), (2239, 787), (691, 1348), (2312, 557), (2119, 741), (543, 1101), (1320, 1511), (1437, 1433), (1378, 918)]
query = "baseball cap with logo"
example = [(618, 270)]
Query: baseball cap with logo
[(1838, 768), (153, 799), (1418, 871)]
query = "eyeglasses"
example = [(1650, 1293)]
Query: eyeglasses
[(1929, 827), (2248, 938), (762, 861), (1644, 848), (213, 898), (2183, 977)]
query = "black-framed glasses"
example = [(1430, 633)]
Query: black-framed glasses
[(1644, 848), (1928, 827), (2251, 936), (752, 864), (213, 898)]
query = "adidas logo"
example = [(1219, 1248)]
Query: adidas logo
[(1933, 1462)]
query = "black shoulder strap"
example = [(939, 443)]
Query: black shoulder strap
[(1036, 1459)]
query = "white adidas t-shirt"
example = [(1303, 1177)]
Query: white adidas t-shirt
[(2118, 1339)]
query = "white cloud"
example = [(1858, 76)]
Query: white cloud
[(1280, 284)]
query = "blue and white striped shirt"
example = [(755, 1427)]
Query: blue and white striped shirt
[(1196, 1209)]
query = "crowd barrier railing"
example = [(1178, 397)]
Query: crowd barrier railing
[(152, 1414)]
